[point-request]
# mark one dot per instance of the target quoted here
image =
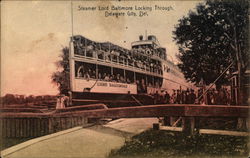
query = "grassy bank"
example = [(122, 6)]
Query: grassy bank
[(8, 142), (153, 143)]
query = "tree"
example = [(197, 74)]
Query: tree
[(9, 99), (61, 77), (210, 38), (30, 99)]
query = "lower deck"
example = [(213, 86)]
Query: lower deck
[(111, 99)]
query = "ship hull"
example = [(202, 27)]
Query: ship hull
[(112, 100)]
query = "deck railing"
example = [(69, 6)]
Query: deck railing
[(118, 60)]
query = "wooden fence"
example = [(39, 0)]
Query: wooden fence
[(26, 122), (21, 125), (24, 126)]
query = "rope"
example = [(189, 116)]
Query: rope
[(215, 81), (94, 84), (136, 100)]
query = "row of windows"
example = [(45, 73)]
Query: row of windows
[(105, 73)]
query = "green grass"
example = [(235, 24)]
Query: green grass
[(8, 142), (157, 143)]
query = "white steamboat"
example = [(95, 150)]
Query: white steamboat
[(110, 69)]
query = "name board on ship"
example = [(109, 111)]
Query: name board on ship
[(105, 84)]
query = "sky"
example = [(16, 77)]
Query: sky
[(34, 32)]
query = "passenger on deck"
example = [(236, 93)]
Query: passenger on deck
[(93, 74), (111, 78), (117, 79), (100, 55), (209, 97), (104, 75), (122, 80), (150, 84), (188, 100), (80, 71), (79, 74), (192, 97), (173, 97), (178, 97), (138, 86), (167, 97), (156, 98), (106, 78), (100, 76), (58, 102), (65, 100), (128, 81), (86, 76), (223, 97), (62, 101), (143, 85), (183, 97)]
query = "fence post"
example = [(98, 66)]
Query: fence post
[(50, 125), (188, 125), (248, 124), (241, 124), (166, 121)]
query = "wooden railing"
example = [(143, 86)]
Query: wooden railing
[(19, 125), (16, 125), (188, 114), (185, 110)]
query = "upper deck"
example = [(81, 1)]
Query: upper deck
[(144, 58), (143, 68)]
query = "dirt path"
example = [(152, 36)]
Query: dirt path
[(90, 142)]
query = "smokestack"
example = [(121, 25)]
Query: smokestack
[(140, 37)]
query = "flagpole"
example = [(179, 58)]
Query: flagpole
[(72, 22), (71, 61)]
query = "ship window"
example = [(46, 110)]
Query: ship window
[(138, 77), (104, 73), (79, 69), (118, 75), (129, 76), (141, 83), (158, 82), (150, 81), (85, 70)]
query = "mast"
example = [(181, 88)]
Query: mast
[(71, 54), (72, 22)]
